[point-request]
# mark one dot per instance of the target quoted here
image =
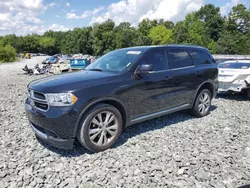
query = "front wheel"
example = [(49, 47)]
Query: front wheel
[(100, 128), (202, 103)]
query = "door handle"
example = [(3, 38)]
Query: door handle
[(168, 78)]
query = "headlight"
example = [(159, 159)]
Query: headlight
[(61, 99)]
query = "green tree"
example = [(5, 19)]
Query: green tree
[(7, 53), (180, 32), (239, 19), (212, 20), (46, 44), (161, 35), (103, 37), (146, 25)]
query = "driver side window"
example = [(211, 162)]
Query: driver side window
[(157, 59)]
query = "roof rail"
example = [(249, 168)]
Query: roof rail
[(190, 45)]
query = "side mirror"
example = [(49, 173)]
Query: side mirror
[(144, 69)]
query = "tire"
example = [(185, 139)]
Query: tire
[(201, 108), (248, 94), (95, 141)]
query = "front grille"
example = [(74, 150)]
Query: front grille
[(39, 96), (41, 105), (39, 99)]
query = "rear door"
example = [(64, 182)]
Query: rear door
[(206, 68), (183, 77)]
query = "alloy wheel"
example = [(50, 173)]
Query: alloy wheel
[(204, 103), (103, 128)]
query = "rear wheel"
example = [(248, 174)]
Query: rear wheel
[(202, 103), (100, 128)]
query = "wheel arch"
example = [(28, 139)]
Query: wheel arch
[(206, 85), (111, 101)]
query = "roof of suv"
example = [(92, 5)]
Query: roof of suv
[(144, 48)]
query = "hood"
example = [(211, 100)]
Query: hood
[(70, 81), (230, 75)]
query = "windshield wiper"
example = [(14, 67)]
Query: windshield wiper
[(100, 70)]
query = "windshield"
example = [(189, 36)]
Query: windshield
[(115, 61), (234, 65)]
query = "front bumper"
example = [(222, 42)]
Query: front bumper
[(54, 141), (57, 126)]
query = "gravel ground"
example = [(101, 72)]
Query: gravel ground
[(177, 150)]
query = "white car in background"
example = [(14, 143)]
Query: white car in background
[(62, 65), (234, 76)]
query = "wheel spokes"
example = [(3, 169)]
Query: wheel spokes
[(115, 126), (111, 132), (107, 128), (200, 107), (96, 122), (100, 117), (105, 139), (100, 141), (204, 103), (92, 138), (108, 116), (93, 131)]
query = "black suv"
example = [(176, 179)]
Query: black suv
[(121, 88)]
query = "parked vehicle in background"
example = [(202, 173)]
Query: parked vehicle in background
[(234, 76), (220, 58), (219, 61), (62, 65), (50, 60), (79, 63), (27, 56), (121, 88)]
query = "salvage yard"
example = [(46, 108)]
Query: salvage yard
[(177, 150)]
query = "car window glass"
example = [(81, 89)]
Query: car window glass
[(179, 58), (115, 61), (157, 59), (200, 58)]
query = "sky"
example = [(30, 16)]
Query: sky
[(23, 17)]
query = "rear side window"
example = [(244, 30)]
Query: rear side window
[(179, 58), (200, 58), (157, 59)]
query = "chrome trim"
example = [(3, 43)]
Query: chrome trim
[(183, 68), (161, 112), (32, 97), (41, 109), (37, 100), (39, 133)]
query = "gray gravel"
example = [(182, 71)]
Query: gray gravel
[(177, 150)]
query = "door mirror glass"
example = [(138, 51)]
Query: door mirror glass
[(144, 69)]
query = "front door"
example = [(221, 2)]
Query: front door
[(152, 90)]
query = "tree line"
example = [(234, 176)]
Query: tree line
[(206, 27)]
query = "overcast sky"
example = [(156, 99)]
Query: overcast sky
[(37, 16)]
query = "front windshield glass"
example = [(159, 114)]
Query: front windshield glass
[(234, 65), (115, 61)]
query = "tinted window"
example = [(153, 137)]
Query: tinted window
[(115, 61), (234, 65), (179, 59), (200, 58), (157, 59)]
